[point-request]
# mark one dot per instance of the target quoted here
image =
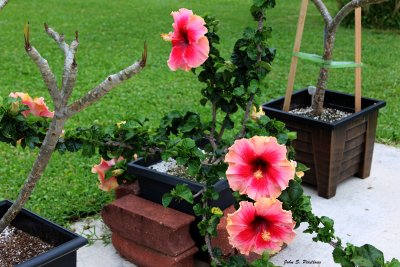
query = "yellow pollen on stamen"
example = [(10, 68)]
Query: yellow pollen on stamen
[(265, 235), (258, 174)]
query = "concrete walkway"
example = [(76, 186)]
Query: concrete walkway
[(364, 211)]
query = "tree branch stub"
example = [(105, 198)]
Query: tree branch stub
[(3, 3)]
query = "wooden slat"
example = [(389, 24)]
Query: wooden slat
[(297, 44), (358, 141), (358, 59)]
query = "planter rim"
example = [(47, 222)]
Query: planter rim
[(140, 167), (375, 104), (76, 241)]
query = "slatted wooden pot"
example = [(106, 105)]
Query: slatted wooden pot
[(333, 151)]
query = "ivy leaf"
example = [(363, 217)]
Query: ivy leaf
[(166, 199)]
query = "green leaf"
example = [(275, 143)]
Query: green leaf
[(253, 86), (339, 256), (182, 191), (166, 199), (393, 263), (238, 91)]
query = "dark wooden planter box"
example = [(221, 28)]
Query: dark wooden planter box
[(63, 255), (333, 151), (153, 185)]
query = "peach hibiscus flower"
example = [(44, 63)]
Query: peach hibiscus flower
[(101, 169), (264, 226), (190, 46), (37, 106), (258, 167)]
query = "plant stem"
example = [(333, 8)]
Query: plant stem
[(251, 99), (331, 25), (46, 150), (62, 111), (222, 130)]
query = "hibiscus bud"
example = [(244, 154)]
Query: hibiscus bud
[(216, 211), (256, 115), (117, 172), (120, 123)]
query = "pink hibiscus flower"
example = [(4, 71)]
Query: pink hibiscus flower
[(190, 46), (37, 106), (264, 226), (258, 167), (101, 169)]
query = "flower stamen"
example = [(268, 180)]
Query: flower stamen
[(265, 235), (258, 174)]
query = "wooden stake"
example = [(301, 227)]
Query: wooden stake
[(357, 59), (293, 66)]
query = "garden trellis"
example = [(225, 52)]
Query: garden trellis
[(319, 60)]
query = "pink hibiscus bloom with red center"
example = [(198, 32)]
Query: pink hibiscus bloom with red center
[(190, 46), (37, 106), (264, 226), (258, 167), (101, 169)]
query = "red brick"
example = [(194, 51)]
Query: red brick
[(147, 257), (222, 241), (149, 224), (126, 189)]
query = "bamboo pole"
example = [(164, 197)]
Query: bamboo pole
[(293, 66), (357, 59)]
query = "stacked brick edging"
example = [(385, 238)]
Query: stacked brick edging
[(148, 234)]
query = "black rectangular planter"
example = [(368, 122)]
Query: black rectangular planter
[(154, 184), (333, 151), (66, 243)]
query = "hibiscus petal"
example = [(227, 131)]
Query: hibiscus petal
[(197, 53), (261, 227), (109, 184), (176, 60), (181, 18), (195, 29)]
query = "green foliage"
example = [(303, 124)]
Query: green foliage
[(382, 16), (180, 192), (15, 128), (366, 255)]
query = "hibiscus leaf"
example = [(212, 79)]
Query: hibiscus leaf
[(368, 255), (182, 191), (339, 256), (166, 199)]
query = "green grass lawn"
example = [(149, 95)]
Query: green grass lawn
[(111, 35)]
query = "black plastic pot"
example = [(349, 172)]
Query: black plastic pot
[(154, 184), (66, 243), (333, 151)]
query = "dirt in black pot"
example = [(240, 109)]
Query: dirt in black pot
[(17, 246), (328, 114)]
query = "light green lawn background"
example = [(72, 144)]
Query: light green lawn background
[(111, 35)]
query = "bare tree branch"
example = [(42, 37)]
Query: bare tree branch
[(350, 6), (47, 75), (60, 39), (324, 12), (3, 3), (107, 85), (62, 112), (70, 70)]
